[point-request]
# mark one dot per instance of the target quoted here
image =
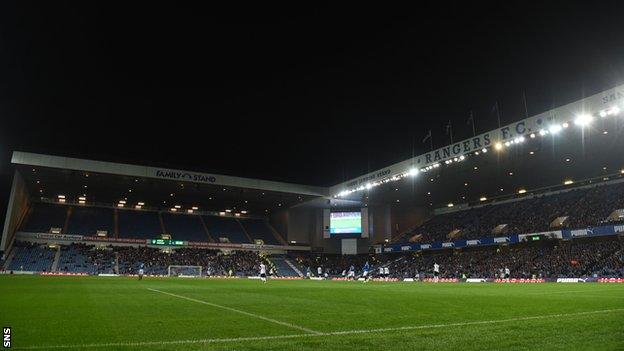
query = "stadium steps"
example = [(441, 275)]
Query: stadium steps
[(57, 257), (116, 262), (276, 234), (244, 231), (294, 268), (67, 217), (210, 239), (283, 268)]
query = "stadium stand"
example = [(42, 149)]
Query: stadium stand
[(184, 227), (43, 216), (88, 220), (227, 228), (283, 268), (583, 207), (31, 257), (259, 229), (139, 224)]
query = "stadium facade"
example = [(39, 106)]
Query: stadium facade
[(575, 146)]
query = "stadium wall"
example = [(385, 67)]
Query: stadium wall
[(16, 211)]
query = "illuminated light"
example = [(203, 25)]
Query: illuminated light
[(465, 184), (455, 159), (120, 205), (522, 139), (450, 205), (603, 113), (189, 211), (61, 196), (614, 110), (138, 207), (475, 168), (521, 191), (398, 200), (195, 208), (532, 135), (228, 211), (568, 159), (369, 185), (244, 212), (462, 157), (622, 171), (510, 173), (237, 214), (605, 132), (531, 152), (61, 200), (141, 203), (565, 125), (123, 202), (507, 143), (177, 206), (223, 213), (484, 150), (554, 129), (498, 146), (82, 198), (542, 132), (583, 120), (173, 209), (476, 153), (483, 198), (568, 182), (413, 171)]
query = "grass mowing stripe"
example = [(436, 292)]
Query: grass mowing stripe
[(307, 330), (345, 332)]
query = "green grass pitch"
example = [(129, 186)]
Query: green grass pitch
[(96, 313)]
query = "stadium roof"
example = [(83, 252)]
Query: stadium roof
[(108, 183), (577, 143)]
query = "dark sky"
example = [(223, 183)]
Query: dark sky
[(308, 95)]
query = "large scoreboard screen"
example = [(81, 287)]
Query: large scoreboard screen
[(166, 242), (345, 223)]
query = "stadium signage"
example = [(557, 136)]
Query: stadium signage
[(185, 176), (522, 128), (502, 239)]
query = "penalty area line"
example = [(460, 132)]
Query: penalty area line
[(294, 336), (231, 309)]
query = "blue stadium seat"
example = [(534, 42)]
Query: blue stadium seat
[(259, 229), (88, 220), (226, 227), (139, 224), (44, 216), (31, 257), (184, 227)]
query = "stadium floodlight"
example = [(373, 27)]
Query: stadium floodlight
[(173, 209), (507, 143), (369, 185), (223, 213), (61, 196), (603, 113), (614, 110), (542, 132), (583, 119), (462, 157), (568, 182), (138, 207), (554, 129), (189, 211), (123, 202), (228, 211), (498, 146), (482, 198), (484, 150), (82, 198), (120, 205), (141, 203), (450, 205), (565, 125), (194, 208), (521, 191), (532, 135), (413, 172), (178, 206)]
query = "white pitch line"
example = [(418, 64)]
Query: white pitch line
[(290, 325), (293, 336)]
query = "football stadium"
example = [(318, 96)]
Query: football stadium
[(522, 237), (259, 178)]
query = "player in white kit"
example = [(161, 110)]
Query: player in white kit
[(263, 272), (436, 272)]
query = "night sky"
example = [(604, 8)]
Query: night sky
[(300, 94)]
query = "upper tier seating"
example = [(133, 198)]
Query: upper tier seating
[(583, 207), (184, 227), (44, 216), (139, 224), (226, 227), (259, 229), (88, 220)]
